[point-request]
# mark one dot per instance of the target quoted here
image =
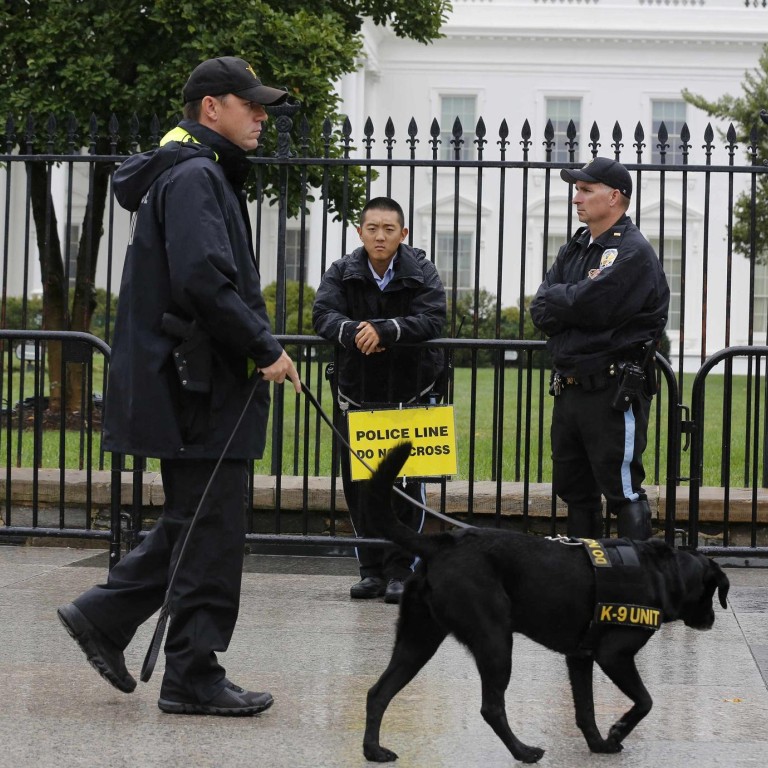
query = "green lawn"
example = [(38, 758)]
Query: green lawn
[(521, 436)]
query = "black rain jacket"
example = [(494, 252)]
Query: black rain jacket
[(600, 303), (410, 309), (189, 257)]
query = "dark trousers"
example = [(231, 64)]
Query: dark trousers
[(206, 594), (389, 562), (596, 450)]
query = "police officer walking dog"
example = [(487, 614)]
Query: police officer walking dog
[(603, 306), (191, 323)]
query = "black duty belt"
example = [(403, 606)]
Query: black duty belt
[(593, 381), (621, 589)]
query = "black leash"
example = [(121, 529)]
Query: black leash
[(165, 610)]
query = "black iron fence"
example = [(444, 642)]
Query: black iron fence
[(491, 212), (58, 483)]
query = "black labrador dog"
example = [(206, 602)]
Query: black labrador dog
[(483, 585)]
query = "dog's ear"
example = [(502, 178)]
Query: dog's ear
[(722, 583), (715, 579)]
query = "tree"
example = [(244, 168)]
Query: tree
[(84, 61), (750, 216)]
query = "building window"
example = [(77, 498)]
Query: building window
[(554, 244), (463, 108), (561, 112), (760, 314), (293, 265), (673, 269), (461, 246), (73, 246), (672, 114)]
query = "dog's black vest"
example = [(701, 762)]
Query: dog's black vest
[(621, 589)]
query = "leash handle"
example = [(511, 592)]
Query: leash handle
[(154, 647)]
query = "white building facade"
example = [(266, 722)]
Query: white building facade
[(597, 62), (603, 62)]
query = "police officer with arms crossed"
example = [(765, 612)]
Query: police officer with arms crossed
[(603, 306)]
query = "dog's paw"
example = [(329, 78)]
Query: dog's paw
[(375, 753), (530, 755), (607, 746), (618, 731)]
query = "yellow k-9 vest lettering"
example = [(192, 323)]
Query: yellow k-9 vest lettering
[(628, 615), (596, 553)]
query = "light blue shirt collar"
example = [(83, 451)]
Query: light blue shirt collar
[(384, 281)]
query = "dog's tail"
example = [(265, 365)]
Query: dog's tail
[(380, 518)]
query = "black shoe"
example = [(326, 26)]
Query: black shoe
[(103, 655), (231, 700), (394, 591), (370, 586), (633, 520), (585, 523)]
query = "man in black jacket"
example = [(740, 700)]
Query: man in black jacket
[(603, 305), (192, 339), (375, 302)]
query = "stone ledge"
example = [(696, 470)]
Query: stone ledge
[(74, 483)]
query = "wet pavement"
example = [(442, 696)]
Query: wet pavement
[(302, 638)]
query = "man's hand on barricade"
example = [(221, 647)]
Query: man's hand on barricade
[(367, 339)]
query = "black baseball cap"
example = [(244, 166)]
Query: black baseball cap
[(228, 74), (604, 171)]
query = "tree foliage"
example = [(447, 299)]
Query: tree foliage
[(750, 225), (126, 57), (81, 61), (88, 57)]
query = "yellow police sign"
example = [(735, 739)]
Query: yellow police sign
[(431, 429)]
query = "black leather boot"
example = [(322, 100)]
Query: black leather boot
[(585, 522), (633, 520)]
